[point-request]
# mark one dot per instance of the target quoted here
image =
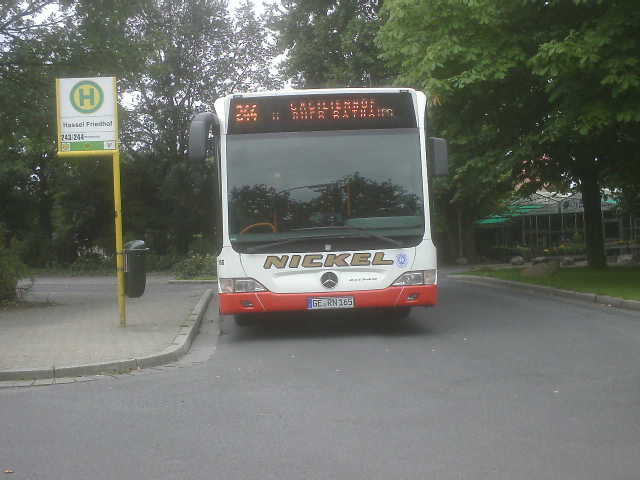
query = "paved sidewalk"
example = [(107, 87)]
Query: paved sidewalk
[(74, 321)]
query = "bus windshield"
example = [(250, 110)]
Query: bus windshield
[(321, 190)]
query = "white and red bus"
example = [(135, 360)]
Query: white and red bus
[(323, 199)]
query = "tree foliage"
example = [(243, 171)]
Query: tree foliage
[(31, 55), (194, 53), (331, 42), (528, 93), (172, 59), (547, 89)]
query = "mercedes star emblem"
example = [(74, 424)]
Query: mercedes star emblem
[(329, 280)]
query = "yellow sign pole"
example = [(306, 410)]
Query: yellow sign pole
[(117, 201)]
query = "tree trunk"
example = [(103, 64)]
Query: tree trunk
[(460, 241), (594, 239), (45, 204), (449, 247), (469, 239)]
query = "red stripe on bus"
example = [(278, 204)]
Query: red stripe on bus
[(258, 302)]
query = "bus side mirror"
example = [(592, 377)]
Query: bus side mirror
[(199, 135), (439, 156)]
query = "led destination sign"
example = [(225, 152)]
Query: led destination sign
[(292, 113)]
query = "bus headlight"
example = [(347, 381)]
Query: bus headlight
[(420, 277), (240, 285)]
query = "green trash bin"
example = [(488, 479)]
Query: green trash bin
[(135, 273)]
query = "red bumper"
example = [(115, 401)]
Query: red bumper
[(419, 295)]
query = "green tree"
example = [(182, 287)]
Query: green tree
[(194, 52), (172, 59), (30, 46), (537, 86), (330, 42), (592, 67)]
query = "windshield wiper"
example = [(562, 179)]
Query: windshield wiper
[(368, 233), (287, 241)]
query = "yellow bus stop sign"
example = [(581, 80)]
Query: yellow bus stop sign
[(87, 115)]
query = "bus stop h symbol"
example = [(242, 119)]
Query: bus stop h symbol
[(86, 96)]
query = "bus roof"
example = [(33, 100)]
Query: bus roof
[(293, 91)]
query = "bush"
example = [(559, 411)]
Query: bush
[(201, 244), (11, 270), (565, 249), (93, 263), (35, 250), (196, 266), (505, 253), (161, 263)]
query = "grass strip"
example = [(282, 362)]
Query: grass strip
[(622, 282)]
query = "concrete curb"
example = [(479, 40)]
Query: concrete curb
[(529, 288), (180, 345)]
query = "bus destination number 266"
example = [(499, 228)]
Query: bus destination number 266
[(72, 137)]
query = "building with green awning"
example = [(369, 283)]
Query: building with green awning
[(547, 219)]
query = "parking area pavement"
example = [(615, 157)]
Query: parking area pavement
[(67, 321)]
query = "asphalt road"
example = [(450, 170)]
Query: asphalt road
[(491, 384)]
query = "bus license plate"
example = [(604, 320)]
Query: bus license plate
[(323, 303)]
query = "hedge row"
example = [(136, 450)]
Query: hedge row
[(11, 270)]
